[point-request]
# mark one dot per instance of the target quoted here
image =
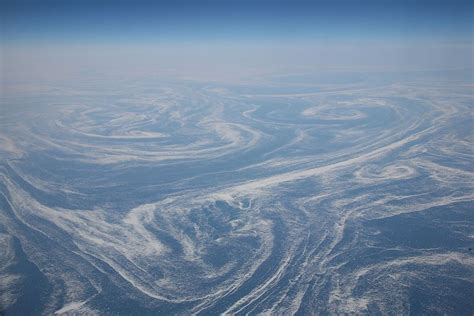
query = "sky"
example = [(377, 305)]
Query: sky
[(113, 35)]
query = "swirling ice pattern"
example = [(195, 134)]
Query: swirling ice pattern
[(188, 198)]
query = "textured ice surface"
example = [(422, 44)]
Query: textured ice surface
[(280, 196)]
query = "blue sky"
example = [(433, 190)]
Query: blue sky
[(161, 21), (43, 38)]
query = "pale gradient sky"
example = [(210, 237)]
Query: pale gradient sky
[(53, 40)]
